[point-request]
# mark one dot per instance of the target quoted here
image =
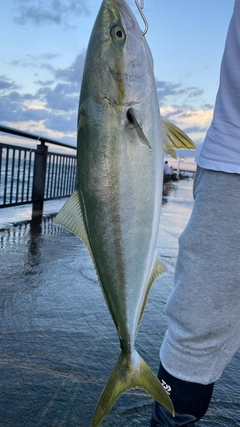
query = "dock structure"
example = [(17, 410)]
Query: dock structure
[(58, 343), (37, 173)]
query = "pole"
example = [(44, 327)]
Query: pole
[(39, 178)]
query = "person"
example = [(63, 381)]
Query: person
[(203, 309), (166, 178)]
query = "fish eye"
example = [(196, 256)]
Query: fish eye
[(118, 34)]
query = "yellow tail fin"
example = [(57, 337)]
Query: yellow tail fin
[(127, 374)]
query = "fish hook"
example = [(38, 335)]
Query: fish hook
[(140, 7)]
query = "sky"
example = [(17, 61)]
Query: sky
[(43, 45)]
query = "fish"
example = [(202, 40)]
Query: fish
[(121, 138)]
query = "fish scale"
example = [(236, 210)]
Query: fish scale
[(116, 208)]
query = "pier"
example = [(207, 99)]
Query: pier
[(58, 343), (37, 173)]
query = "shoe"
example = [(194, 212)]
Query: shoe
[(190, 401)]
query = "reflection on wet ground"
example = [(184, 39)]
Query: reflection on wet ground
[(58, 341)]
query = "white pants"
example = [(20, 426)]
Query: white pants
[(203, 310)]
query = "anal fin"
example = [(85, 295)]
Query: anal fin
[(157, 269)]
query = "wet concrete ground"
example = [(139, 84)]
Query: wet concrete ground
[(58, 343)]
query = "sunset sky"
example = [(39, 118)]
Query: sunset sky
[(43, 45)]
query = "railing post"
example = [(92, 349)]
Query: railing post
[(39, 177)]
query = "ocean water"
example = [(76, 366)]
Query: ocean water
[(58, 343)]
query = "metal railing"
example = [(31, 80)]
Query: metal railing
[(32, 176)]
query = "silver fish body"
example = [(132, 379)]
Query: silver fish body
[(120, 162), (116, 209)]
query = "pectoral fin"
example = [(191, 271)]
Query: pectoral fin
[(132, 119), (175, 139)]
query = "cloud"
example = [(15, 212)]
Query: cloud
[(188, 115), (65, 94), (6, 83), (35, 61), (62, 122), (196, 129), (194, 92), (44, 82), (14, 107), (24, 112), (61, 97), (74, 72), (61, 92), (52, 107), (12, 101), (167, 89), (33, 113), (48, 12), (182, 105)]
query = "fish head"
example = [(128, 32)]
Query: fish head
[(119, 53)]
